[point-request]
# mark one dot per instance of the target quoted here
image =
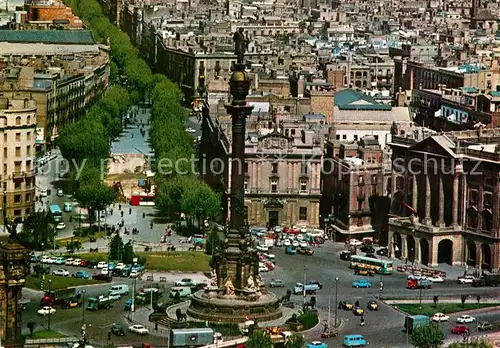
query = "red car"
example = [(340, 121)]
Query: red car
[(460, 330), (270, 266), (84, 263)]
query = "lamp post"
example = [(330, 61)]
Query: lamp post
[(83, 307), (304, 285), (381, 281), (336, 300), (48, 317)]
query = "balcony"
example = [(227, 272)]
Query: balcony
[(407, 223), (22, 174)]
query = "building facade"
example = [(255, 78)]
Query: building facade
[(18, 128), (447, 194)]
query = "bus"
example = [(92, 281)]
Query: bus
[(379, 266), (56, 212)]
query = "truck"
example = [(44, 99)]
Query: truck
[(96, 303), (488, 279), (58, 296), (194, 337), (309, 288), (419, 283), (412, 321)]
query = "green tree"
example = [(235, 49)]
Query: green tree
[(170, 192), (73, 245), (84, 139), (427, 336), (201, 202), (475, 343), (463, 298), (295, 341), (95, 196), (128, 253), (214, 240), (37, 231), (116, 248), (259, 339)]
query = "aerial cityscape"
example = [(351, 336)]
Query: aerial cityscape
[(250, 174)]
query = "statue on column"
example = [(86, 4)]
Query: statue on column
[(240, 45), (213, 278), (250, 283), (229, 287)]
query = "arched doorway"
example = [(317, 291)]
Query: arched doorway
[(410, 248), (486, 253), (424, 251), (471, 254), (398, 244), (445, 251)]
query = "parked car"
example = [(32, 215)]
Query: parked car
[(263, 268), (460, 330), (69, 261), (362, 283), (303, 244), (133, 273), (76, 262), (60, 226), (317, 283), (295, 243), (383, 251), (270, 256), (262, 248), (138, 329), (92, 264), (468, 279), (367, 249), (117, 329), (358, 311), (270, 266), (80, 274), (186, 282), (46, 311), (355, 242), (485, 326), (346, 305), (287, 243), (103, 277), (120, 266), (102, 264), (464, 319), (439, 317), (60, 261), (290, 251), (60, 193), (61, 272), (373, 305), (436, 279), (277, 283), (84, 263)]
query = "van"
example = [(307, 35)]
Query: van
[(354, 341), (183, 291), (68, 207), (118, 290)]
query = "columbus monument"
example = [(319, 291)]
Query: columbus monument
[(236, 292)]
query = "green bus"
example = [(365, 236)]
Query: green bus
[(363, 262)]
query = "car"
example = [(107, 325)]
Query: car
[(263, 268), (45, 259), (270, 256), (76, 262), (262, 248), (190, 130), (372, 305), (270, 266), (277, 283), (464, 319), (60, 261), (117, 329), (111, 266), (295, 243), (316, 344), (362, 283), (358, 311), (71, 303), (355, 242), (69, 261), (60, 226), (43, 193), (468, 279), (287, 243), (120, 265), (134, 273), (416, 277), (367, 249), (346, 305), (460, 330), (279, 243), (138, 329), (186, 282), (84, 263), (52, 259), (92, 264), (68, 207), (317, 283), (485, 326), (102, 264), (345, 255), (439, 317), (102, 277), (306, 251), (105, 270), (46, 311), (382, 251), (80, 274), (303, 244), (60, 193), (61, 272), (290, 251), (138, 267), (436, 279)]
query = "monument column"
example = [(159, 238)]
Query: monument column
[(440, 222), (414, 194), (454, 202), (427, 218)]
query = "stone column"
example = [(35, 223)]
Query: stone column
[(393, 186), (480, 207), (427, 218), (404, 249), (433, 249), (416, 252), (414, 195), (496, 208), (390, 236), (254, 176), (454, 202), (479, 255), (289, 183), (441, 198)]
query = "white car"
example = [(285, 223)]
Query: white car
[(261, 248), (43, 193), (300, 237), (303, 244), (439, 317), (287, 243), (120, 265), (105, 271), (61, 272), (76, 262), (134, 273), (46, 310), (464, 319), (52, 259), (269, 256), (436, 279), (69, 261), (263, 268), (138, 329), (466, 280), (190, 130), (61, 226), (355, 242), (295, 243), (416, 277), (46, 259), (102, 264)]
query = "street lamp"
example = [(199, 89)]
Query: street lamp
[(48, 317), (83, 308), (336, 300), (304, 285)]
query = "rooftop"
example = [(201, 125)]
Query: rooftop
[(350, 99), (62, 37)]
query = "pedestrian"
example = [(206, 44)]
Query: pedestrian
[(156, 326), (109, 334), (129, 211), (119, 207), (121, 213), (151, 225), (143, 215), (111, 211), (362, 323), (406, 261)]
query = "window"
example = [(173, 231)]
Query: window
[(304, 168), (274, 185), (303, 185), (4, 153), (374, 179), (376, 137), (17, 212), (473, 196), (355, 137), (246, 168), (17, 198), (344, 136), (488, 200), (246, 185), (360, 205), (18, 121), (5, 169), (5, 138), (360, 180), (28, 136), (28, 197), (28, 151), (302, 213), (472, 218), (18, 151), (17, 185), (337, 137), (18, 136), (287, 132), (292, 132), (274, 168)]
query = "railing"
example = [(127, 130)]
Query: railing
[(406, 222), (39, 341), (396, 139), (493, 156)]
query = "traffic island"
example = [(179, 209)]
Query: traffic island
[(57, 282)]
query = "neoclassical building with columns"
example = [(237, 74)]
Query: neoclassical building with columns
[(445, 192)]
